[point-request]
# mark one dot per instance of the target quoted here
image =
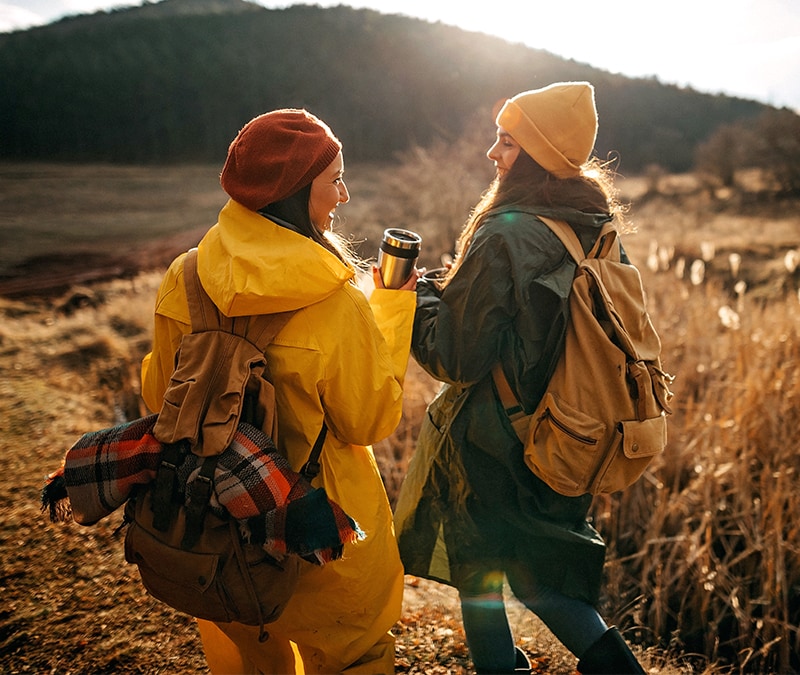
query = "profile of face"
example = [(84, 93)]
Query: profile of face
[(328, 190), (503, 152)]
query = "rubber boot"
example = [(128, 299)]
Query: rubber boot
[(521, 667), (610, 655)]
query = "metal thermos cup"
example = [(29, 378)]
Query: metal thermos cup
[(398, 255)]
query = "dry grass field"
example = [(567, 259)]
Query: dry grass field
[(704, 551)]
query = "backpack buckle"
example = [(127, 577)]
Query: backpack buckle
[(199, 498)]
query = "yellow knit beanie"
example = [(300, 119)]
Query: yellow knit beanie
[(555, 125)]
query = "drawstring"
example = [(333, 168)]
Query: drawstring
[(263, 635)]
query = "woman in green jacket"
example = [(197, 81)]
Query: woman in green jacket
[(470, 512), (341, 358)]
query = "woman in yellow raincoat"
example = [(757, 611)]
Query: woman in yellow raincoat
[(341, 358)]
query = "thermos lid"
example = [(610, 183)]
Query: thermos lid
[(399, 238)]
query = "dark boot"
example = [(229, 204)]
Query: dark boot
[(610, 655), (521, 667)]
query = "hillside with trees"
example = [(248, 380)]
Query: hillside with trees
[(172, 82)]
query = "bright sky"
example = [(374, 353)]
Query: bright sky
[(748, 48)]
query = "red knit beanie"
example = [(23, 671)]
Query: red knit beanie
[(276, 154)]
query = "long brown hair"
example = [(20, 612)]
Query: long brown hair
[(527, 183)]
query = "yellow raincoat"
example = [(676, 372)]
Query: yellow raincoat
[(343, 357)]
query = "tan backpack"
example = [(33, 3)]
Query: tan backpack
[(218, 523), (220, 374), (187, 556), (602, 418)]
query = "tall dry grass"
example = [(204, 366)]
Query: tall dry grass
[(704, 549)]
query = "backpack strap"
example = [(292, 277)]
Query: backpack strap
[(311, 468), (172, 455), (567, 236), (512, 406), (202, 311), (260, 329), (199, 499), (604, 245)]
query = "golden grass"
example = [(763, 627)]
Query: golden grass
[(704, 549)]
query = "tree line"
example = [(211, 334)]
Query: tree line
[(770, 143), (138, 87)]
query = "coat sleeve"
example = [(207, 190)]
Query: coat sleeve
[(394, 311), (365, 368), (168, 330), (459, 335), (501, 306)]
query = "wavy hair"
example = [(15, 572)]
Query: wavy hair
[(529, 184)]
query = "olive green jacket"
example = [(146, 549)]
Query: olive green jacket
[(468, 494)]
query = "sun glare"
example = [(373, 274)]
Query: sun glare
[(749, 48)]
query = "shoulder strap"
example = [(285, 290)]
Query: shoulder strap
[(311, 467), (202, 311), (260, 329), (507, 397), (603, 247), (567, 236)]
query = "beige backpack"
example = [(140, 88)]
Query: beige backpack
[(602, 418), (187, 556), (218, 523)]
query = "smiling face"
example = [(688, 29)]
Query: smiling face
[(327, 192), (504, 152)]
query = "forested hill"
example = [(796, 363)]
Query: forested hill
[(174, 81)]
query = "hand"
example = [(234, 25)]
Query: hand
[(410, 285)]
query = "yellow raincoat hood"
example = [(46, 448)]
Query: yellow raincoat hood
[(251, 265)]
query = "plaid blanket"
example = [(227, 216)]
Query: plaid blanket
[(253, 483)]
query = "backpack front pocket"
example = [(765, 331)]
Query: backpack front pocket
[(564, 446)]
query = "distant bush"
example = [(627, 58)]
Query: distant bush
[(770, 143), (721, 155), (773, 145)]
